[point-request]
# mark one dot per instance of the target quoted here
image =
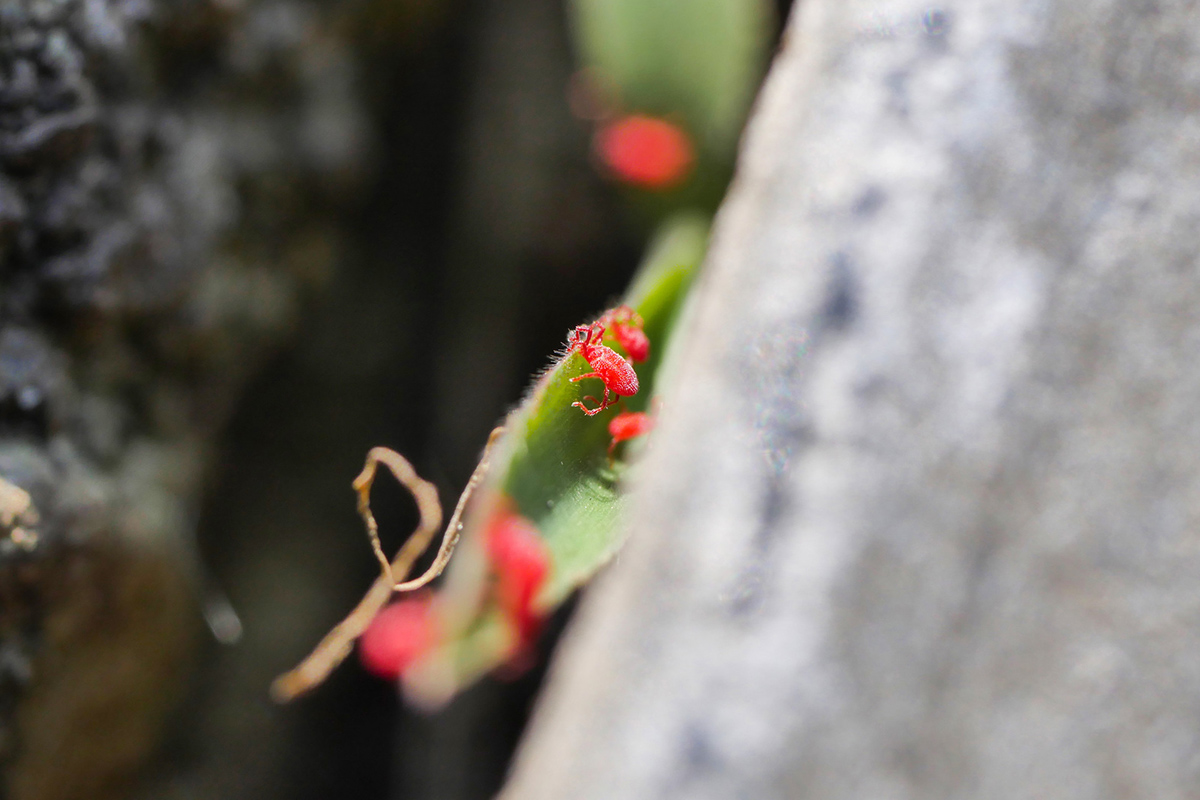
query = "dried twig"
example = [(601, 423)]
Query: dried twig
[(334, 648)]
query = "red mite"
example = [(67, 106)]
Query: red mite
[(619, 378), (626, 326), (628, 425)]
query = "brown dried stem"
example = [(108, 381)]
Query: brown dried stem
[(336, 645)]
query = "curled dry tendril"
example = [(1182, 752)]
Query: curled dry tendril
[(336, 645)]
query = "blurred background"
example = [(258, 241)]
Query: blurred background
[(243, 242), (479, 232)]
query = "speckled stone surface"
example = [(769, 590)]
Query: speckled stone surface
[(922, 517)]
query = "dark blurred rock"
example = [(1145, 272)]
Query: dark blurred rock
[(33, 384), (921, 520), (169, 182), (12, 214)]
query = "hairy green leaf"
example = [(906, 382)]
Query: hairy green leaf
[(552, 467)]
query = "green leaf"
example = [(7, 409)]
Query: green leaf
[(552, 467), (699, 59)]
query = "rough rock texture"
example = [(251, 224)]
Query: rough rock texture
[(923, 520), (165, 170)]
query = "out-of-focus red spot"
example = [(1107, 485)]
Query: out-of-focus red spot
[(626, 327), (397, 637), (521, 560), (634, 340), (645, 151), (628, 425)]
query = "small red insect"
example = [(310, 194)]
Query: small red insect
[(398, 636), (628, 425), (619, 378), (626, 327)]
